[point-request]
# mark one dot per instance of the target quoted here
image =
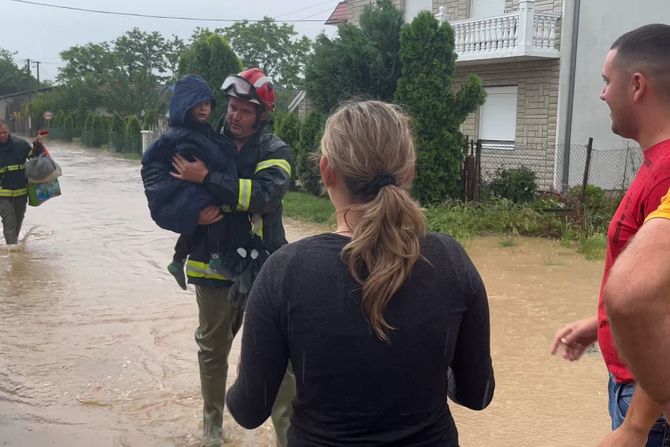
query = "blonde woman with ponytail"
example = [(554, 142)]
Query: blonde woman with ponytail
[(380, 320)]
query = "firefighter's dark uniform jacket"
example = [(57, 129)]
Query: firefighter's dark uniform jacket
[(175, 204), (264, 174), (13, 156)]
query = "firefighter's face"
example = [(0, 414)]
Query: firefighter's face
[(242, 117)]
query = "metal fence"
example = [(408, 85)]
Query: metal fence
[(611, 169)]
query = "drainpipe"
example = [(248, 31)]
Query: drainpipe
[(571, 95)]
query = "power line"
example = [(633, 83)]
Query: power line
[(317, 13), (305, 9), (151, 16)]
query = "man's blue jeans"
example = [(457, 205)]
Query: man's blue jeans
[(620, 395)]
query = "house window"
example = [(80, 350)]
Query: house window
[(486, 8), (414, 7), (497, 118)]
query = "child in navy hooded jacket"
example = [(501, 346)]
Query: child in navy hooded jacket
[(175, 204)]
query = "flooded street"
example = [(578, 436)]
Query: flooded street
[(97, 344)]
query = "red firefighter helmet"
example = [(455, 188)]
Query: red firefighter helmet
[(251, 85)]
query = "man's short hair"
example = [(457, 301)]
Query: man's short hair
[(646, 49), (3, 123)]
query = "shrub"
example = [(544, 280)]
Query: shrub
[(426, 90), (68, 128), (306, 166), (116, 133), (287, 127), (150, 120), (99, 131), (133, 135), (87, 131), (597, 209), (516, 184)]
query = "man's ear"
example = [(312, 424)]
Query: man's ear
[(638, 86), (328, 176)]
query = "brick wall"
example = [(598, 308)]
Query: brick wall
[(546, 6), (457, 9), (537, 107), (356, 8)]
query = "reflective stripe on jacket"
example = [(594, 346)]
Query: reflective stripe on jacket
[(13, 156), (264, 175)]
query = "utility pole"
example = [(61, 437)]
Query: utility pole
[(37, 65), (30, 100)]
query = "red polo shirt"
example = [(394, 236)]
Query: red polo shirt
[(643, 197)]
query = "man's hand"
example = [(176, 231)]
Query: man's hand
[(194, 172), (624, 437), (209, 215), (574, 338)]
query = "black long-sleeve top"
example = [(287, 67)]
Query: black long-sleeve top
[(353, 388)]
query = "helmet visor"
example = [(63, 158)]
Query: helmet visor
[(237, 86)]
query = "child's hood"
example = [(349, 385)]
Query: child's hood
[(188, 92)]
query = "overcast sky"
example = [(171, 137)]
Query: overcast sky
[(41, 32)]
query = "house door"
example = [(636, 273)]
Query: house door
[(486, 8)]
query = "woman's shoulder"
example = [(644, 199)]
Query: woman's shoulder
[(312, 245), (441, 240), (442, 249), (302, 258)]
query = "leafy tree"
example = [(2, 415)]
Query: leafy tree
[(274, 48), (361, 61), (210, 56), (146, 62), (12, 78), (125, 75), (41, 103), (425, 89), (87, 72)]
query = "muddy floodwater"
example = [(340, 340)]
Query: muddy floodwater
[(97, 340)]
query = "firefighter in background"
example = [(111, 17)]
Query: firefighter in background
[(14, 152)]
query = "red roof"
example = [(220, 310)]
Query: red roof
[(339, 15)]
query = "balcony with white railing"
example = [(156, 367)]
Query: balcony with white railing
[(520, 35)]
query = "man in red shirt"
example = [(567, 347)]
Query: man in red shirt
[(637, 298), (637, 90)]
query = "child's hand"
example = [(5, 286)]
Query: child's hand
[(194, 172), (210, 215)]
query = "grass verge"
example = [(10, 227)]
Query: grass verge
[(308, 208), (464, 221)]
